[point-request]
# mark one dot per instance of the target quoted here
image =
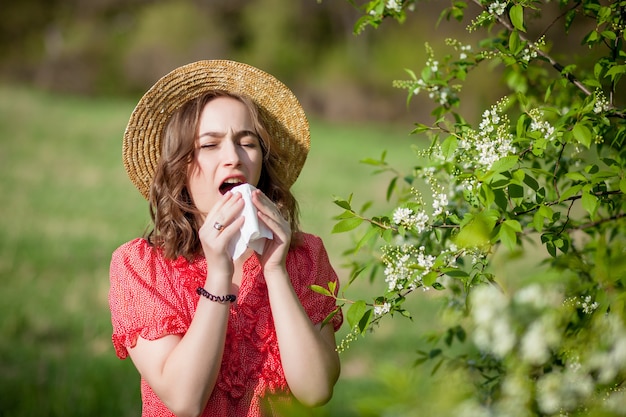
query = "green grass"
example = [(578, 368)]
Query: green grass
[(67, 204)]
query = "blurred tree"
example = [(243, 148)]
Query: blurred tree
[(120, 47)]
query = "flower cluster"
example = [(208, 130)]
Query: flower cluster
[(543, 127), (497, 8), (433, 80), (601, 104), (494, 330), (587, 305), (460, 47), (495, 315), (440, 196), (404, 216), (528, 329), (491, 143), (382, 309), (394, 5), (405, 265)]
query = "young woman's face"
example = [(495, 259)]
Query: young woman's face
[(228, 152)]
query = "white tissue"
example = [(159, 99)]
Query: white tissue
[(253, 233)]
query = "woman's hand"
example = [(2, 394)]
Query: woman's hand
[(274, 255), (220, 226)]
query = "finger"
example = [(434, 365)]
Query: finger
[(224, 217), (265, 205)]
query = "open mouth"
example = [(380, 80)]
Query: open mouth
[(229, 184)]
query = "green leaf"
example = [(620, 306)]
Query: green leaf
[(508, 233), (531, 182), (576, 176), (346, 225), (344, 204), (517, 17), (368, 236), (448, 146), (455, 273), (429, 278), (391, 187), (365, 320), (321, 290), (570, 192), (513, 225), (504, 164), (622, 185), (516, 191), (419, 128), (582, 134), (356, 312), (615, 71), (330, 316), (486, 195), (476, 232), (544, 212), (590, 203), (515, 44), (332, 286)]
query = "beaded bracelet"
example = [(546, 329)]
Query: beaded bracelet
[(218, 299)]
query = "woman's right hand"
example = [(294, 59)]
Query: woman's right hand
[(219, 227)]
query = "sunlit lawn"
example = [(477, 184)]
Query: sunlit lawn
[(67, 204)]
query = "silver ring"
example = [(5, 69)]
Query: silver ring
[(218, 226)]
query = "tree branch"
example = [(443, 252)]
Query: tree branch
[(571, 78)]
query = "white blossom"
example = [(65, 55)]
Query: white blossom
[(609, 362), (394, 5), (439, 203), (494, 332), (496, 8), (491, 143), (559, 391), (379, 310), (404, 216), (601, 104), (538, 296), (587, 305), (542, 126), (539, 339)]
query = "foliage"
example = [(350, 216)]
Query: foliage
[(541, 176)]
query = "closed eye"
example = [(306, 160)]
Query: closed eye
[(208, 145)]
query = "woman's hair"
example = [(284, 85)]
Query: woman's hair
[(176, 218)]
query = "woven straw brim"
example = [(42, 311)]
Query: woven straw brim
[(279, 109)]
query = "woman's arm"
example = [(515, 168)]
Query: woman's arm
[(182, 370), (308, 351)]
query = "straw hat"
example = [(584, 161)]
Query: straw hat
[(279, 109)]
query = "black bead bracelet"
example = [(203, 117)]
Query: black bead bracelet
[(218, 299)]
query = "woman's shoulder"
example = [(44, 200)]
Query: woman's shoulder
[(138, 248), (309, 248), (308, 240)]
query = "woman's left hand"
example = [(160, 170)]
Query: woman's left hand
[(275, 251)]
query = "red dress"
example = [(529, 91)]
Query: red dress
[(151, 296)]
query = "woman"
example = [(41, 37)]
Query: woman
[(212, 334)]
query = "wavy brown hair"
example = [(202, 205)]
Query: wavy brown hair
[(176, 219)]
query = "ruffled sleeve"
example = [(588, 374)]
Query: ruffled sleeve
[(142, 299), (311, 266)]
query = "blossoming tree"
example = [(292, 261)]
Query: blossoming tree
[(542, 175)]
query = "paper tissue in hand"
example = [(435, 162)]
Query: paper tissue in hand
[(253, 232)]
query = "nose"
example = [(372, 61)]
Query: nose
[(231, 153)]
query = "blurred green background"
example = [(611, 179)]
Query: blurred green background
[(71, 72)]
